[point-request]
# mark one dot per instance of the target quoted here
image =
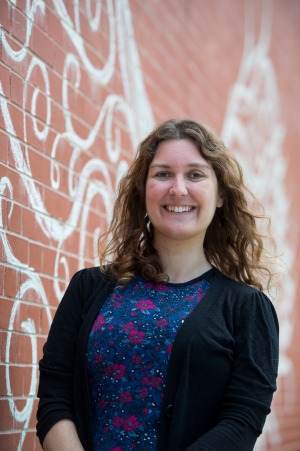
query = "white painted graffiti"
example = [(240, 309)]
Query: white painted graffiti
[(94, 178), (253, 129)]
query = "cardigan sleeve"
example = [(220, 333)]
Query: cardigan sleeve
[(248, 395), (57, 365)]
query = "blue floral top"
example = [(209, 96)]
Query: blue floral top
[(127, 356)]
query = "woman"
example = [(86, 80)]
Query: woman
[(173, 346)]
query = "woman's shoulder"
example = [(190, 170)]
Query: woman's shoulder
[(243, 302), (88, 282), (234, 289), (92, 275)]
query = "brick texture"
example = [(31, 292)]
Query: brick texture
[(76, 96)]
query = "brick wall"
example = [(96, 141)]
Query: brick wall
[(79, 87)]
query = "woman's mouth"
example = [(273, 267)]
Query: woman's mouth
[(179, 208)]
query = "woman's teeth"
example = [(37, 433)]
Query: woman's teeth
[(179, 209)]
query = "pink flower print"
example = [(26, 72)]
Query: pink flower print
[(144, 392), (161, 287), (98, 323), (99, 358), (105, 430), (145, 381), (130, 423), (110, 327), (108, 371), (117, 296), (116, 448), (162, 322), (145, 304), (155, 381), (149, 285), (169, 349), (136, 337), (125, 397), (102, 404), (117, 304), (127, 424), (200, 297), (145, 411), (116, 371), (128, 327), (118, 422), (136, 359)]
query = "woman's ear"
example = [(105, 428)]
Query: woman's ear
[(220, 200)]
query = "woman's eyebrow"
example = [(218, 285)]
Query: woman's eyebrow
[(167, 166)]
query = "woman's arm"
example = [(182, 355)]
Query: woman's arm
[(58, 376), (248, 395), (57, 365), (63, 437)]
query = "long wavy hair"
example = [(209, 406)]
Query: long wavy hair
[(232, 243)]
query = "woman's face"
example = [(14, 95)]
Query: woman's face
[(181, 192)]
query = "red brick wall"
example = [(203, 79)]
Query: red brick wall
[(79, 88)]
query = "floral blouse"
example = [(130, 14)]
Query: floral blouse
[(127, 356)]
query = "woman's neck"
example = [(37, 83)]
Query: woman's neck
[(182, 262)]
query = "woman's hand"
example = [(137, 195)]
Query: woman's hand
[(63, 437)]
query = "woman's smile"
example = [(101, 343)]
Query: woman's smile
[(179, 208)]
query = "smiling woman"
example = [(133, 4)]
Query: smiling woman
[(231, 240), (175, 344)]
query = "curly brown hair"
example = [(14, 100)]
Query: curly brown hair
[(232, 242)]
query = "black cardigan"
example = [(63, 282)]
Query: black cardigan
[(221, 374)]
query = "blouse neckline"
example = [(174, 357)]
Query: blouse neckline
[(206, 275)]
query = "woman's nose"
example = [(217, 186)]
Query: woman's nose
[(178, 187)]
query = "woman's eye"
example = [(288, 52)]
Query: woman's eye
[(196, 176), (162, 175)]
